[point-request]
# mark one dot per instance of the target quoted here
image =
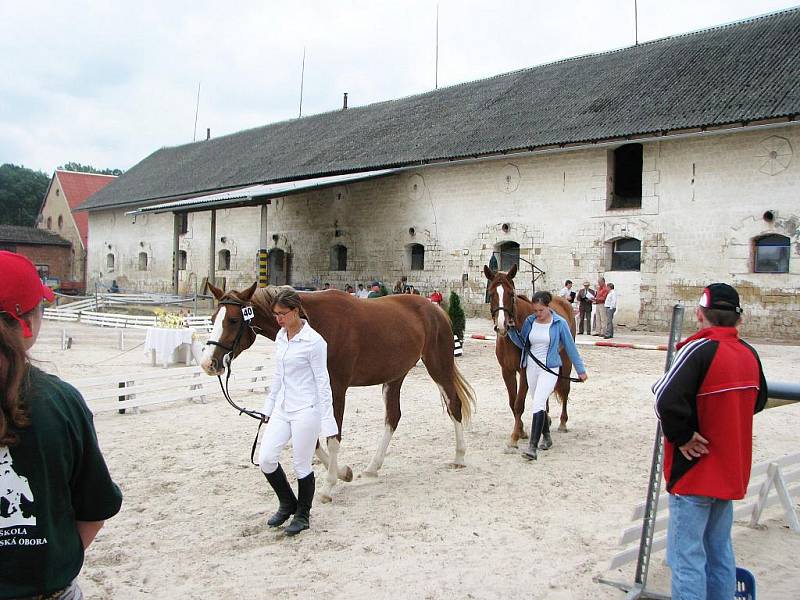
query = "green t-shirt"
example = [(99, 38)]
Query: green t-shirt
[(52, 478)]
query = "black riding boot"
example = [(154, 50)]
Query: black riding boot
[(305, 497), (287, 502), (547, 441), (536, 432)]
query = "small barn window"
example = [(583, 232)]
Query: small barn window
[(224, 260), (110, 261), (338, 258), (625, 183), (183, 223), (60, 222), (626, 255), (417, 254), (771, 254), (509, 255), (143, 261), (49, 222), (181, 260)]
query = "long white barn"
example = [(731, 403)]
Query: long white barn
[(662, 167)]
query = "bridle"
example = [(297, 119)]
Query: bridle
[(227, 361), (512, 312)]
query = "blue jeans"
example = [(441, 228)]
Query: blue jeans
[(699, 548)]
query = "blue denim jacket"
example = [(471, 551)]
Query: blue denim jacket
[(560, 335)]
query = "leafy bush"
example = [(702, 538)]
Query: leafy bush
[(458, 319)]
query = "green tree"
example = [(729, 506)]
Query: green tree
[(76, 166), (458, 319), (21, 194)]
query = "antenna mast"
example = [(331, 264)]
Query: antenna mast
[(196, 111), (636, 22), (302, 78), (436, 70)]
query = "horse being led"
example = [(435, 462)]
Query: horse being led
[(369, 343), (510, 309)]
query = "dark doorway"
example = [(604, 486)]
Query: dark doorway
[(277, 265)]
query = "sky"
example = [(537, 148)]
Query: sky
[(107, 83)]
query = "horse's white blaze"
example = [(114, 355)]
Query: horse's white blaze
[(501, 319), (216, 333), (380, 454)]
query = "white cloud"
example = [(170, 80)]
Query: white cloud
[(108, 83)]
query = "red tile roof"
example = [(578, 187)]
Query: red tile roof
[(78, 187)]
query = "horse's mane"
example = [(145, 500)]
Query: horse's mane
[(523, 297)]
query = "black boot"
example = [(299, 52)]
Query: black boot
[(547, 441), (536, 432), (287, 502), (305, 496)]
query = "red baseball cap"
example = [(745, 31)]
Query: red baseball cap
[(21, 290)]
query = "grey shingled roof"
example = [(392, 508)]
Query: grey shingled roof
[(16, 234), (741, 72)]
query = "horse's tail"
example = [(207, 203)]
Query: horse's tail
[(465, 394)]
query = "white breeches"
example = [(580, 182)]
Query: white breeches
[(540, 384), (302, 427)]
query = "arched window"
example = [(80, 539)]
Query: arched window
[(110, 261), (181, 260), (224, 260), (143, 261), (508, 255), (49, 222), (60, 222), (338, 258), (771, 254), (416, 254), (626, 255)]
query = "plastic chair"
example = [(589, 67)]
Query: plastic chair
[(745, 585)]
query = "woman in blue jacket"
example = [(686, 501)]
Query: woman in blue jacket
[(543, 335)]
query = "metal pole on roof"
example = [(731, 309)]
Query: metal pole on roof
[(436, 69), (636, 22), (302, 76), (196, 111)]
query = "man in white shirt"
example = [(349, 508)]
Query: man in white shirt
[(566, 291), (610, 308), (362, 293)]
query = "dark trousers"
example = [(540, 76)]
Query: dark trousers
[(585, 316)]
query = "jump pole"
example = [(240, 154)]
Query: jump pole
[(638, 589)]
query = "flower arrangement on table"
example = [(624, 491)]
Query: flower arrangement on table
[(169, 320)]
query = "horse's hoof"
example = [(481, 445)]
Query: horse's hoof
[(509, 448), (348, 474), (455, 465), (370, 473), (523, 435), (325, 498), (562, 429)]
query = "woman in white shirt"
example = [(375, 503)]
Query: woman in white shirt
[(299, 407)]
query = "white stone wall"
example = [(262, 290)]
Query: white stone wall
[(703, 203)]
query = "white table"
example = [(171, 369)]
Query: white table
[(169, 346)]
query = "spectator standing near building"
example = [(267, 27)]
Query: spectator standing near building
[(376, 290), (705, 402), (585, 297), (566, 291), (436, 297), (611, 308), (599, 307), (361, 292)]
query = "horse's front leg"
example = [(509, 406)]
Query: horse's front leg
[(344, 472), (510, 379), (391, 402), (562, 390), (325, 494)]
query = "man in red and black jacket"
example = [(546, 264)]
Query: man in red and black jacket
[(705, 402)]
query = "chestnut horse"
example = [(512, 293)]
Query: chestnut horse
[(370, 342), (510, 309)]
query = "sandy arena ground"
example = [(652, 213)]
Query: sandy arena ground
[(193, 523)]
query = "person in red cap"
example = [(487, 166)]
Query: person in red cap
[(55, 486), (705, 402)]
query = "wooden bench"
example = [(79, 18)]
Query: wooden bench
[(143, 388), (771, 482)]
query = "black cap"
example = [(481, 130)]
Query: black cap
[(720, 296)]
